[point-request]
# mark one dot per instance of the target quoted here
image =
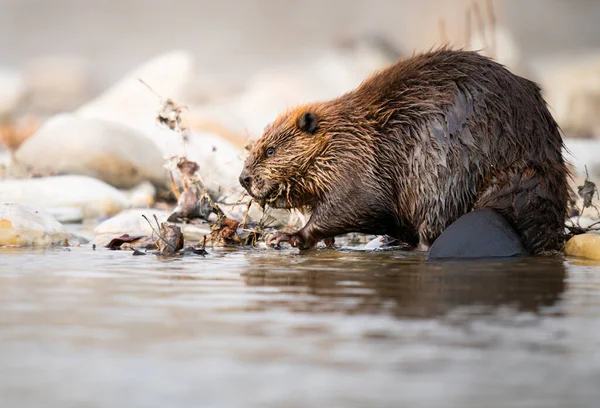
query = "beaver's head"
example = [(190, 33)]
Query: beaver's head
[(283, 166)]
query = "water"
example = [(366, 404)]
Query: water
[(84, 328)]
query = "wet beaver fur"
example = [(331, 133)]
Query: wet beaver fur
[(413, 148)]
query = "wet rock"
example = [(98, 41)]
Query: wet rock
[(12, 91), (584, 246), (93, 198), (133, 223), (24, 225), (56, 83), (129, 101), (106, 150)]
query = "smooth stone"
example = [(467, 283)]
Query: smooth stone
[(92, 197), (584, 246), (12, 91), (105, 150), (571, 85), (478, 234), (584, 152), (220, 164), (26, 226), (141, 196), (273, 90), (129, 100), (132, 222)]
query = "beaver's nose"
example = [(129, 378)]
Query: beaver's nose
[(245, 179)]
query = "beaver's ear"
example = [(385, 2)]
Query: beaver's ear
[(308, 123)]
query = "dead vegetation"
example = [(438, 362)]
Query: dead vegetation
[(194, 203), (476, 21), (587, 192)]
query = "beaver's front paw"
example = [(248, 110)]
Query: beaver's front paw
[(274, 240)]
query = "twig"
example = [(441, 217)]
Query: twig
[(157, 232), (442, 28), (150, 89), (492, 18), (481, 23)]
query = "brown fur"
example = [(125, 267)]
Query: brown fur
[(413, 148)]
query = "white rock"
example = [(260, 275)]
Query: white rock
[(581, 153), (24, 225), (507, 51), (131, 222), (12, 90), (131, 101), (274, 90), (106, 150), (92, 197), (220, 165), (571, 86), (141, 196)]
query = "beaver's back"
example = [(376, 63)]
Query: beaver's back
[(455, 131)]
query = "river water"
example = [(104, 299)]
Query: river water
[(267, 328)]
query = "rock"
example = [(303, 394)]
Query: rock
[(507, 51), (12, 91), (220, 164), (92, 197), (273, 90), (106, 150), (131, 222), (581, 153), (141, 196), (26, 226), (584, 246), (129, 101), (571, 86), (57, 83)]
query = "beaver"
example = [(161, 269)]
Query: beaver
[(413, 148)]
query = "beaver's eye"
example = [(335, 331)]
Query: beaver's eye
[(270, 152)]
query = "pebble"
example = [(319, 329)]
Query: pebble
[(584, 246), (109, 151), (26, 226), (91, 197)]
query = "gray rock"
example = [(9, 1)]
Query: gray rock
[(92, 198), (106, 150), (26, 226)]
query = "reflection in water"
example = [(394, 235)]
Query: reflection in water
[(275, 328), (406, 286)]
